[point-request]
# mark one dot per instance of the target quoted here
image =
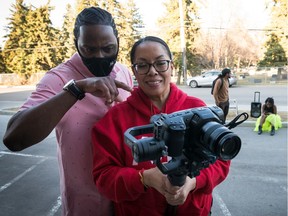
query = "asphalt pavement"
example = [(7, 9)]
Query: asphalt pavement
[(255, 186)]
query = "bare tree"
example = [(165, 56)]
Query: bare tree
[(234, 47)]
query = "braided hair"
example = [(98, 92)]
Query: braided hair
[(94, 16), (270, 100)]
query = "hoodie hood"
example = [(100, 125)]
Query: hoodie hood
[(142, 103)]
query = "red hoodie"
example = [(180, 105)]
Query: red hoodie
[(116, 174)]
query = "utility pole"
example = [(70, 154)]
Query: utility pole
[(183, 42)]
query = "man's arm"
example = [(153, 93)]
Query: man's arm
[(32, 125), (216, 91)]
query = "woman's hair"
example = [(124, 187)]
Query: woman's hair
[(94, 16), (270, 100), (152, 39)]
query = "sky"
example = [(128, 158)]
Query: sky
[(213, 13), (222, 13), (149, 13)]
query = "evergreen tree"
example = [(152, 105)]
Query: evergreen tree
[(191, 22), (279, 22), (275, 54), (15, 51), (42, 40), (128, 25), (3, 68), (82, 4), (67, 47), (170, 25), (111, 6), (32, 43), (126, 17)]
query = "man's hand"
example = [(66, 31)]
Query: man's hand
[(104, 87)]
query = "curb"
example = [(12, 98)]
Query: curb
[(10, 111), (252, 123)]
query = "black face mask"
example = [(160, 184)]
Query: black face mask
[(100, 66)]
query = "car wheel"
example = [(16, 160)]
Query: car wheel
[(193, 84)]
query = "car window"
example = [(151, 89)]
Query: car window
[(208, 74), (216, 73)]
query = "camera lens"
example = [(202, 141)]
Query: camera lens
[(147, 149), (229, 146), (220, 140)]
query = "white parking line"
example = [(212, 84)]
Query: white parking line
[(57, 205), (221, 203), (55, 208), (21, 154), (21, 175)]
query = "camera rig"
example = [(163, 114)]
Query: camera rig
[(193, 138)]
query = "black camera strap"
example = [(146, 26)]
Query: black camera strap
[(234, 122)]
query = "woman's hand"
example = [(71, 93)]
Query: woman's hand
[(154, 178), (176, 195)]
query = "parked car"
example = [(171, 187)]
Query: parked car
[(135, 83), (206, 79), (244, 75)]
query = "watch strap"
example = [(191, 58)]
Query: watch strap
[(72, 88)]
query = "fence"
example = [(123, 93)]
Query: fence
[(256, 75), (265, 75), (245, 76), (15, 79)]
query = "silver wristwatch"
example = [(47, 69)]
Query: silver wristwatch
[(74, 90)]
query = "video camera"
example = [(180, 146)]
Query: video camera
[(193, 138)]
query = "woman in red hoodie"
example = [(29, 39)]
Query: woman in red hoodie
[(141, 188)]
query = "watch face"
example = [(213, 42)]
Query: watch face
[(66, 86)]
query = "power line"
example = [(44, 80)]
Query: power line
[(249, 29), (36, 48)]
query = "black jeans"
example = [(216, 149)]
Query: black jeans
[(225, 107)]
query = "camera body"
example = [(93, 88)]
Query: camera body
[(193, 138)]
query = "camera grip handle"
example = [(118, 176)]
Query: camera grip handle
[(177, 180)]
